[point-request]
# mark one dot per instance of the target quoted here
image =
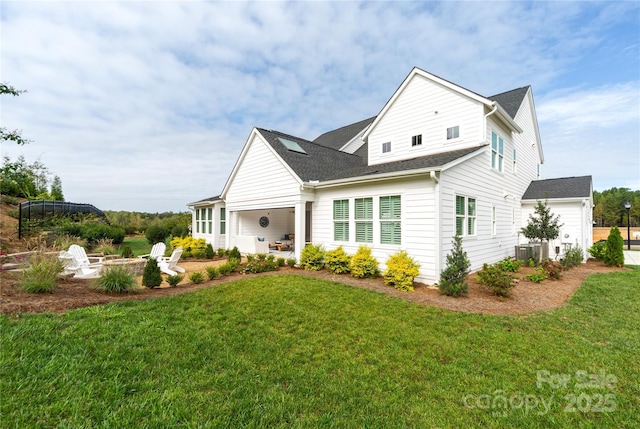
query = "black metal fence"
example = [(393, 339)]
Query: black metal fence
[(45, 209)]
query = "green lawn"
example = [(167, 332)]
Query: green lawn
[(139, 245), (288, 351)]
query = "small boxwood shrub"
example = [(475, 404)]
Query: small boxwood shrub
[(209, 253), (291, 262), (229, 267), (221, 252), (174, 280), (337, 261), (151, 277), (453, 279), (234, 254), (498, 281), (212, 272), (401, 271), (281, 261), (196, 277), (363, 264), (41, 274), (117, 279), (312, 257)]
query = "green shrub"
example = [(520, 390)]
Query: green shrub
[(498, 281), (614, 254), (151, 277), (260, 264), (510, 264), (208, 251), (174, 280), (552, 269), (537, 277), (312, 257), (453, 279), (117, 279), (221, 252), (598, 250), (572, 257), (196, 277), (127, 252), (91, 231), (229, 267), (337, 261), (234, 254), (291, 262), (41, 273), (180, 231), (212, 272), (401, 271), (156, 234), (191, 247), (363, 264), (281, 262)]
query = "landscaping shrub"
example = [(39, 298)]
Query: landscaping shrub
[(598, 250), (260, 264), (363, 264), (104, 246), (498, 281), (572, 257), (235, 254), (174, 280), (156, 234), (281, 262), (229, 266), (212, 272), (291, 262), (401, 271), (208, 251), (337, 261), (41, 273), (117, 279), (180, 231), (221, 252), (312, 257), (191, 247), (91, 231), (196, 277), (510, 264), (552, 269), (151, 277), (614, 254), (453, 279), (537, 277), (127, 252)]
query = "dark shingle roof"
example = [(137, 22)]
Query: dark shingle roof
[(566, 187), (511, 100), (322, 163), (337, 138)]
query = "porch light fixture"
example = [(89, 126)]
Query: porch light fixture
[(627, 206)]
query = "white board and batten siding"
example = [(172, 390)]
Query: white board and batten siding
[(261, 180), (418, 220), (425, 108)]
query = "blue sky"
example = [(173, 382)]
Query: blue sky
[(145, 106)]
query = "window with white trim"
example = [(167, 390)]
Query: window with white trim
[(203, 220), (497, 151), (341, 220), (364, 219), (197, 220), (465, 216), (390, 224), (416, 140), (223, 221), (210, 221), (453, 132), (386, 147)]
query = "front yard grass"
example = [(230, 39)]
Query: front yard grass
[(287, 351)]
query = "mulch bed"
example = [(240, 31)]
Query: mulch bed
[(526, 296)]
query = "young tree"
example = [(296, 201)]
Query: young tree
[(14, 135), (56, 189), (614, 253), (453, 279), (543, 226)]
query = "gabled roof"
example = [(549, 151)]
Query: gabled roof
[(566, 187), (337, 138), (209, 200), (511, 100)]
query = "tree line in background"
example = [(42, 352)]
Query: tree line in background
[(609, 207), (31, 181), (156, 225)]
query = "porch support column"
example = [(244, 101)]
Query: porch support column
[(300, 215), (232, 229)]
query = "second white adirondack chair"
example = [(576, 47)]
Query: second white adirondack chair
[(157, 251), (73, 266), (80, 255), (169, 265)]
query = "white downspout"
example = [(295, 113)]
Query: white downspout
[(495, 107), (438, 226)]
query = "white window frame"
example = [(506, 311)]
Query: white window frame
[(469, 221), (390, 220), (497, 152), (453, 128), (223, 220)]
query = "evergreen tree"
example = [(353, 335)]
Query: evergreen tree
[(151, 277), (56, 189), (453, 279), (614, 253)]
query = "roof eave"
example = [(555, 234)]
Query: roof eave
[(369, 178)]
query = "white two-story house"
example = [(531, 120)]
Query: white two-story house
[(437, 161)]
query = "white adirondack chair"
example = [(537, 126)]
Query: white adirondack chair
[(169, 265), (80, 255), (157, 252), (73, 266)]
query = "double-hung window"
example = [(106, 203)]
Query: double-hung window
[(497, 152), (223, 221), (364, 220), (390, 224), (197, 220), (341, 220), (465, 216)]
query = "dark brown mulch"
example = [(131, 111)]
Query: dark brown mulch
[(526, 297)]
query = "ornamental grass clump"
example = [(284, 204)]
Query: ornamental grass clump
[(401, 271), (337, 261), (41, 274), (453, 279), (117, 279), (363, 264), (312, 257), (151, 277)]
